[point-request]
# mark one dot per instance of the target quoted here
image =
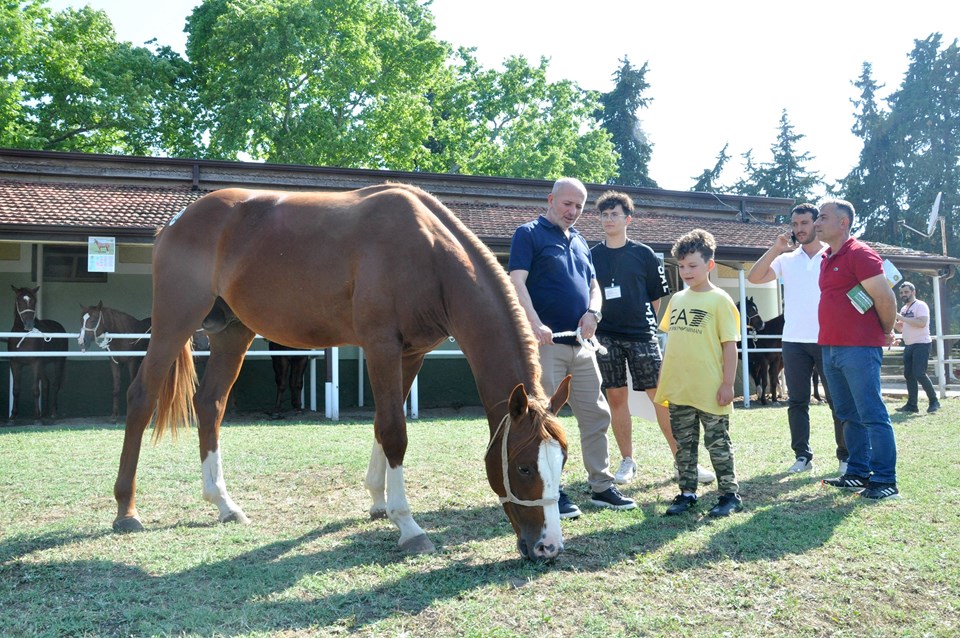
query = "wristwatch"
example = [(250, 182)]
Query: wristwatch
[(597, 314)]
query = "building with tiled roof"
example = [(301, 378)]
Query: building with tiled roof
[(51, 203)]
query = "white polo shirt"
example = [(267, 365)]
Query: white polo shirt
[(800, 275)]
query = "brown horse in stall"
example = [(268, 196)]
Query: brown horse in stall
[(288, 370), (97, 322), (388, 268), (47, 371)]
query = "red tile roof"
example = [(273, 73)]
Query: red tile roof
[(104, 207)]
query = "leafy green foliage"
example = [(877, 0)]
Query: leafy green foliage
[(707, 181)]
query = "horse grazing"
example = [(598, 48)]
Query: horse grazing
[(765, 367), (47, 371), (388, 268), (98, 320), (288, 370)]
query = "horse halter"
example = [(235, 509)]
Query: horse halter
[(511, 497), (103, 341)]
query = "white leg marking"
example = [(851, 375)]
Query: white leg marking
[(376, 479), (550, 463), (215, 488), (398, 510)]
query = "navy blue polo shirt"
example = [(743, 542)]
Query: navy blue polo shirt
[(560, 271)]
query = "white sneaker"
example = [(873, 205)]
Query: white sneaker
[(801, 465), (628, 469), (843, 468), (703, 474)]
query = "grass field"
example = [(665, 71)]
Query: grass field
[(801, 560)]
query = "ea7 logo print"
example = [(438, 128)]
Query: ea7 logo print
[(684, 319)]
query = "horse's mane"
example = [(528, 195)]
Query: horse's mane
[(120, 319), (485, 257)]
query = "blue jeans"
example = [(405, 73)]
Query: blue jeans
[(853, 375)]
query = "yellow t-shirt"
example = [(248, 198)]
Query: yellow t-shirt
[(696, 323)]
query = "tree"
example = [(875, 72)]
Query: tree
[(335, 82), (78, 89), (785, 175), (706, 182), (18, 26), (515, 123), (619, 118), (911, 150)]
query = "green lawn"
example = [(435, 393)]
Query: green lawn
[(801, 560)]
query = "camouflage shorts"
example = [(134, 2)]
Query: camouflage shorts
[(642, 357), (685, 421)]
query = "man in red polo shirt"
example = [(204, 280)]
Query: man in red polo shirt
[(852, 343)]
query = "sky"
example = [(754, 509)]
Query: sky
[(719, 72)]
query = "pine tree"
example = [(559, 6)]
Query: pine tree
[(619, 118), (707, 180)]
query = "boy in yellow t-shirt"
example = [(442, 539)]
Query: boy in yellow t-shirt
[(699, 367)]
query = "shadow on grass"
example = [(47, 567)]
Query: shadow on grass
[(286, 585)]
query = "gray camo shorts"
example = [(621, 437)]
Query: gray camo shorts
[(642, 357)]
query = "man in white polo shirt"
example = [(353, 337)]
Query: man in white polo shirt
[(799, 270)]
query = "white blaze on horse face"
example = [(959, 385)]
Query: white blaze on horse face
[(214, 487), (550, 464), (83, 329)]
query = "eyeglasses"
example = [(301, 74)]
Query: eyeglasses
[(610, 215)]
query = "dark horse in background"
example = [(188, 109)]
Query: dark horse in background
[(288, 370), (47, 371), (765, 367), (388, 268), (99, 320)]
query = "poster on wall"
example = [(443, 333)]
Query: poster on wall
[(101, 254)]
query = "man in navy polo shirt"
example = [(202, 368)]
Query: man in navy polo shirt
[(551, 269)]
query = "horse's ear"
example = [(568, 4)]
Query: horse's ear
[(36, 290), (518, 402), (100, 305), (14, 288), (561, 395), (749, 299)]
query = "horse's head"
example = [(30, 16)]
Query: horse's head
[(26, 305), (524, 460), (91, 324), (753, 315)]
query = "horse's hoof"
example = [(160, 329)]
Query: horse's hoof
[(418, 545), (128, 524), (376, 515), (236, 517)]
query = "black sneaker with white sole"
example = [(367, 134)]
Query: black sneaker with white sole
[(848, 482), (881, 492), (727, 505), (613, 499), (681, 503), (567, 508)]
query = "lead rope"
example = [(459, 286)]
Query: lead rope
[(590, 344), (540, 502)]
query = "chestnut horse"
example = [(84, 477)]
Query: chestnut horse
[(388, 268), (98, 320), (47, 371)]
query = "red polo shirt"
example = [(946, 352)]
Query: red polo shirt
[(841, 324)]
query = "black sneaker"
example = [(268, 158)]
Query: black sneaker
[(567, 508), (681, 504), (881, 492), (727, 505), (908, 408), (848, 482), (933, 407), (612, 498)]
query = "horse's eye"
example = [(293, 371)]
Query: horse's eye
[(524, 470)]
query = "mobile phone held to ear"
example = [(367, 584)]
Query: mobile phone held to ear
[(793, 238)]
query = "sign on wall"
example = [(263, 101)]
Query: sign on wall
[(101, 254)]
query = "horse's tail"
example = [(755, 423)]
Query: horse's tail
[(175, 401)]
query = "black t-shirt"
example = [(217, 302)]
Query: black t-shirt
[(630, 277)]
